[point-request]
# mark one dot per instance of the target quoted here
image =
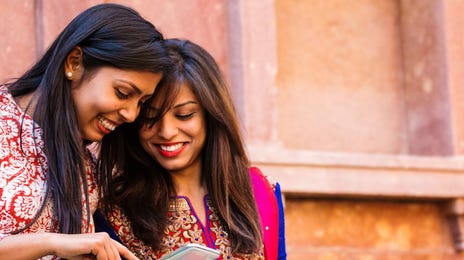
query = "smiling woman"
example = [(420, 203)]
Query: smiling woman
[(183, 175), (109, 98), (92, 79), (177, 139)]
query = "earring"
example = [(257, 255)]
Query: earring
[(69, 74)]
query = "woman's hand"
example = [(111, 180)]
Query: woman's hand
[(83, 246), (71, 246)]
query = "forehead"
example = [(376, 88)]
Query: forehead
[(173, 95), (143, 82), (186, 93)]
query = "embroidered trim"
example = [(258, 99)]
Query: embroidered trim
[(184, 228), (178, 204)]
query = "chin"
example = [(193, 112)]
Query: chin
[(172, 168), (93, 138)]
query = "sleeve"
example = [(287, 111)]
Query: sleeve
[(282, 251), (4, 150), (102, 225)]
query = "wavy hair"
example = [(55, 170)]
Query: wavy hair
[(109, 35), (142, 187)]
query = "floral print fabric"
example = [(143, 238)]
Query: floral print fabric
[(23, 169)]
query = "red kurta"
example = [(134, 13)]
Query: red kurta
[(185, 228)]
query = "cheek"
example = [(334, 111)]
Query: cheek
[(146, 134), (145, 141), (201, 128), (105, 105), (94, 103), (200, 133), (146, 147)]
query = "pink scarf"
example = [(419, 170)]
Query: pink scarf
[(268, 212)]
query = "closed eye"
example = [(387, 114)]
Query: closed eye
[(120, 94), (185, 116)]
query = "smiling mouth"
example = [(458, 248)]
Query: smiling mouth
[(171, 150), (106, 125)]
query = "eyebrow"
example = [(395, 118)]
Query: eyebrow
[(132, 85), (186, 103), (176, 106)]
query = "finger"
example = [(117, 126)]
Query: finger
[(100, 254), (113, 251), (124, 251)]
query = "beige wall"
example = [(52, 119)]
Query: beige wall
[(339, 76), (354, 106)]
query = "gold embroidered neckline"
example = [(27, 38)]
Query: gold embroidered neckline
[(178, 204), (182, 203)]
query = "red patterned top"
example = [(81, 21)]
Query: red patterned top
[(185, 227), (23, 167)]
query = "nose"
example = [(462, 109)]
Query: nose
[(130, 113), (166, 128)]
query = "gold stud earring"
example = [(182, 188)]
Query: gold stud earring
[(69, 74)]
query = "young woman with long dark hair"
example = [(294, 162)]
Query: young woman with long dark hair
[(182, 173), (94, 77)]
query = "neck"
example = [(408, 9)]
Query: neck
[(189, 183)]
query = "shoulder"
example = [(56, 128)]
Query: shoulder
[(263, 186), (257, 175), (91, 154), (4, 90), (11, 115), (7, 104)]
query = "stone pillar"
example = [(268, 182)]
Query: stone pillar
[(426, 87), (253, 66)]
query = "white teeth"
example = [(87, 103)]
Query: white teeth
[(108, 125), (171, 148)]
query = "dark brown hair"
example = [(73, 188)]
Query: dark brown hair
[(109, 35), (143, 187)]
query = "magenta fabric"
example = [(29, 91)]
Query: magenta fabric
[(268, 212)]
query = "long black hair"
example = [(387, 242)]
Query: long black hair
[(142, 188), (109, 35)]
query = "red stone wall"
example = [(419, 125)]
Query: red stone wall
[(17, 44), (360, 229)]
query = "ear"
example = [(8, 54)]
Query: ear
[(73, 68)]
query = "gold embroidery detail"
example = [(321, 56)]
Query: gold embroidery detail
[(183, 228), (180, 204)]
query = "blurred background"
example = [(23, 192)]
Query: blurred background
[(356, 107)]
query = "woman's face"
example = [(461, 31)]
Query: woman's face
[(110, 97), (176, 141)]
